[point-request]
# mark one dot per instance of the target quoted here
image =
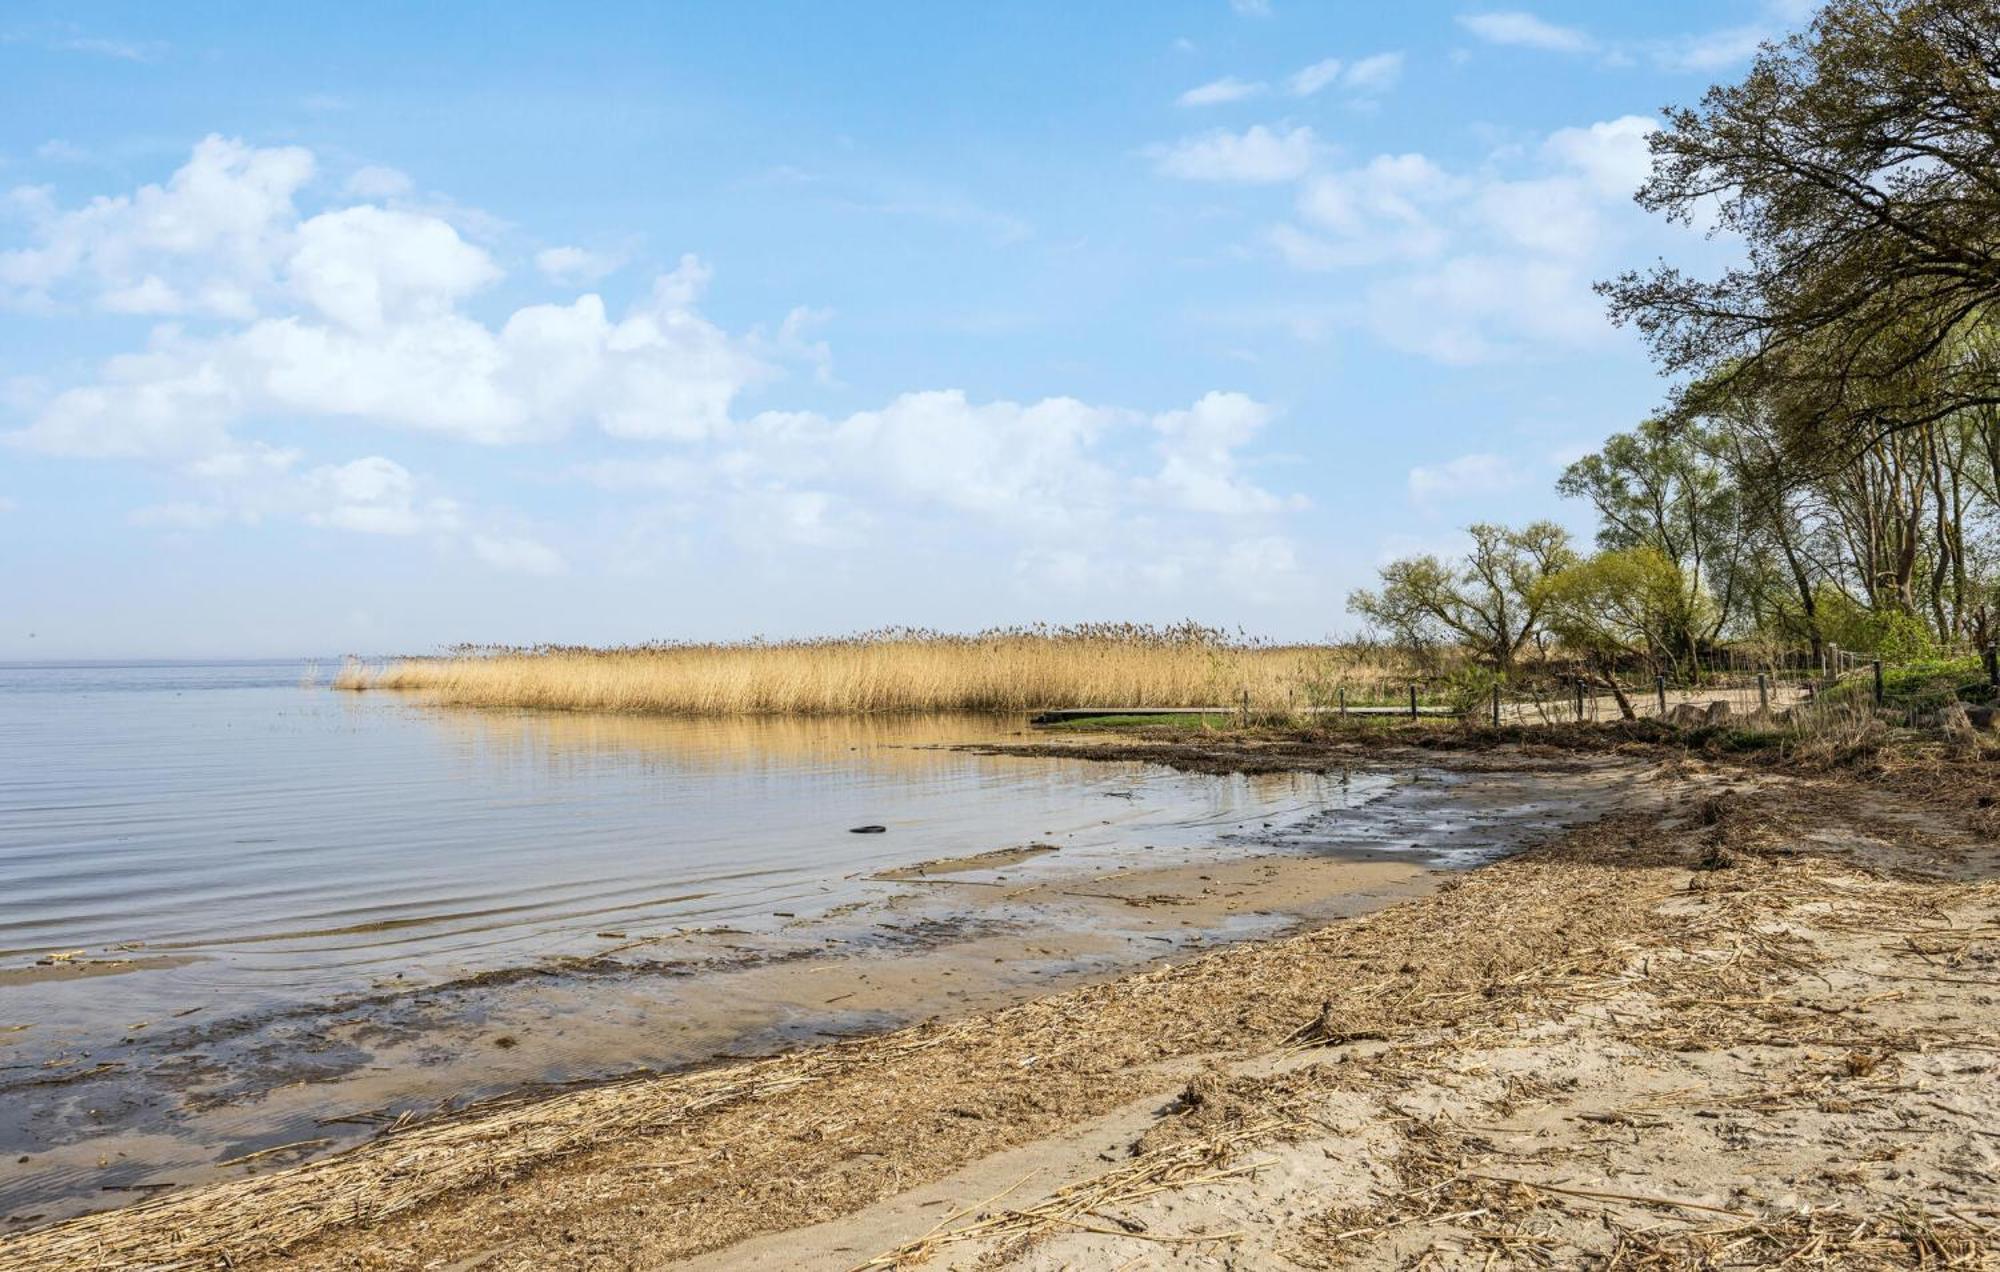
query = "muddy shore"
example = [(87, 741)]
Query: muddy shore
[(1730, 1006), (198, 1095)]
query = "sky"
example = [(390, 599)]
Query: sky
[(375, 327)]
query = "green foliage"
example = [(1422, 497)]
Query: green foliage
[(1891, 634), (1469, 689), (1627, 602), (1490, 601)]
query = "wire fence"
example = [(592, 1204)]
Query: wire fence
[(1756, 685)]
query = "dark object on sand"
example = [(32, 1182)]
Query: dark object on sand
[(867, 830)]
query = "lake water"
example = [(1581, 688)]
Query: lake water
[(244, 835), (239, 909)]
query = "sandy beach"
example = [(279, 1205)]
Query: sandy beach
[(1742, 1012)]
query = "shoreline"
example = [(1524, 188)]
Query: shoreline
[(604, 1166), (946, 937)]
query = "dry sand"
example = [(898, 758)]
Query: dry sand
[(1747, 1018)]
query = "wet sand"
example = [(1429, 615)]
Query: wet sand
[(939, 939), (1709, 1014)]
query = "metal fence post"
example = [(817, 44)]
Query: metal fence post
[(1579, 699), (1660, 688), (1496, 706), (1878, 681)]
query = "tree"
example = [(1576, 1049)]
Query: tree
[(1624, 603), (1857, 162), (1491, 601), (1663, 487)]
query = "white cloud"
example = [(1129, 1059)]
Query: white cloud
[(1045, 476), (1216, 92), (1311, 79), (1468, 476), (1383, 210), (1475, 265), (1525, 30), (1479, 307), (376, 335), (1377, 73), (210, 238), (573, 265), (376, 181), (1257, 155), (371, 496), (366, 268), (1198, 456), (361, 316), (1252, 8), (119, 50), (1613, 155), (1714, 50)]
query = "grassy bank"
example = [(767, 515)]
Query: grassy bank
[(1012, 670)]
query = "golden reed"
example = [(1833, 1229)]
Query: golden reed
[(1007, 670)]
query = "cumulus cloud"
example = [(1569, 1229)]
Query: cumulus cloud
[(1258, 155), (371, 328), (207, 242), (1049, 476), (1613, 156), (1465, 266), (372, 313)]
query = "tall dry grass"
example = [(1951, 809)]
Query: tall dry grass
[(1010, 670)]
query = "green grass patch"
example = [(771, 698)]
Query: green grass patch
[(1923, 685)]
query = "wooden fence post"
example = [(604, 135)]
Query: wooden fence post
[(1342, 691), (1496, 706), (1579, 699), (1763, 693), (1413, 702), (1660, 689), (1878, 681), (1992, 664)]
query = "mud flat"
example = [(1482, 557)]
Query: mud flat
[(1725, 1016)]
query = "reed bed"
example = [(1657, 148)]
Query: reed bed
[(1007, 670)]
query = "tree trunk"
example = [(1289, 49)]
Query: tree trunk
[(1604, 671)]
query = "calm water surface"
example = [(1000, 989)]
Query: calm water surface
[(265, 838)]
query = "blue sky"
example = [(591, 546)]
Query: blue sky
[(376, 326)]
